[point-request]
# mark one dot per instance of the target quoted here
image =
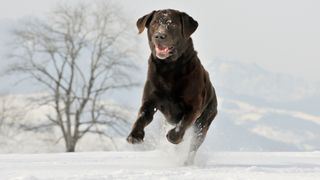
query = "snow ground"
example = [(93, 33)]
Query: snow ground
[(161, 165)]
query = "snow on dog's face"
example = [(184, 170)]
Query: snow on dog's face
[(168, 32)]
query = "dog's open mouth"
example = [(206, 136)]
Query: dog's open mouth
[(162, 52)]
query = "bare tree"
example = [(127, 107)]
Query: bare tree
[(77, 53)]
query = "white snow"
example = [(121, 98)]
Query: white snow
[(161, 165)]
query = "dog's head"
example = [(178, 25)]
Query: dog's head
[(168, 32)]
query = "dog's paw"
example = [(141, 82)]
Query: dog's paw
[(135, 137), (174, 136)]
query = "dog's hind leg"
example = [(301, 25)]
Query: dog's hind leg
[(201, 127)]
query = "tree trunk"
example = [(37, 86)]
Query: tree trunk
[(70, 145), (71, 148)]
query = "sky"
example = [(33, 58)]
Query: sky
[(280, 35)]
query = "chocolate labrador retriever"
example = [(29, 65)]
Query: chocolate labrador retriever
[(177, 84)]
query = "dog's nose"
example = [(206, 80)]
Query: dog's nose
[(160, 36)]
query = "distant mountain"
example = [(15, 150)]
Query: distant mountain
[(252, 83), (261, 110), (252, 80)]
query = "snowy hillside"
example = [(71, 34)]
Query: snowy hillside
[(263, 111), (253, 81), (160, 165), (19, 114), (246, 126), (240, 126)]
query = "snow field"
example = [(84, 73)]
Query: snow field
[(161, 165)]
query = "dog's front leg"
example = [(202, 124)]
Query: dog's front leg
[(145, 116), (176, 134)]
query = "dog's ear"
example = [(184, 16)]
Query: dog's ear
[(189, 25), (144, 21)]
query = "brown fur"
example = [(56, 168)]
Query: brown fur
[(178, 86)]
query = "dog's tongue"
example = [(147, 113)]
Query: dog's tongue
[(162, 50)]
